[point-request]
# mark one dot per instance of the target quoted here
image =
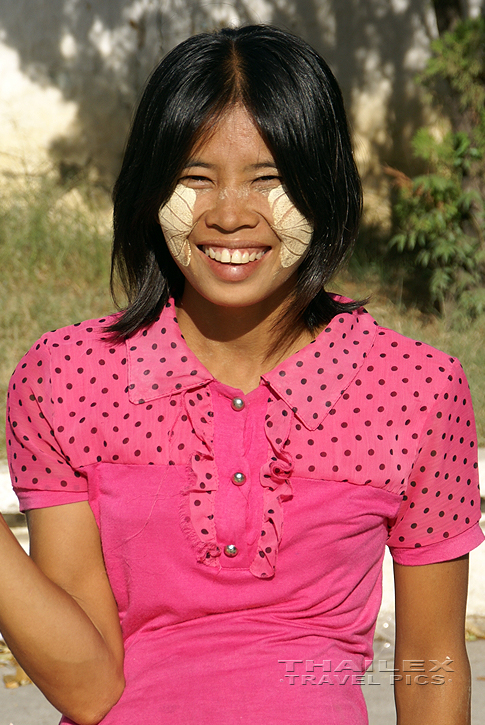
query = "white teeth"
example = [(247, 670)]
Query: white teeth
[(235, 257)]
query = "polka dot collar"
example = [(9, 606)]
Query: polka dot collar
[(335, 357), (161, 364)]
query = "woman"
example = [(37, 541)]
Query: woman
[(237, 446)]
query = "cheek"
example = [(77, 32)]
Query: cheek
[(176, 219), (291, 227)]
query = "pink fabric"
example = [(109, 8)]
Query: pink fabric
[(363, 437)]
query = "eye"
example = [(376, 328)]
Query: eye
[(268, 181), (195, 181)]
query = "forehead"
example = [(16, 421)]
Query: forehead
[(234, 136)]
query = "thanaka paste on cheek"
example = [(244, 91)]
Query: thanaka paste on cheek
[(176, 219), (291, 227)]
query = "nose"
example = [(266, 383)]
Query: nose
[(230, 211)]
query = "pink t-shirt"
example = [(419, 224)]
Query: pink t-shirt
[(244, 534)]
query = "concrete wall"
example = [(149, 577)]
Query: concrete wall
[(71, 70)]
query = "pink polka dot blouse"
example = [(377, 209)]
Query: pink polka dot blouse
[(243, 534)]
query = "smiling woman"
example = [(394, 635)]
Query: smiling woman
[(288, 128), (211, 475), (229, 224)]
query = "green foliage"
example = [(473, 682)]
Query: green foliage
[(439, 216), (459, 59)]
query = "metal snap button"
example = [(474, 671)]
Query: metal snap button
[(237, 403), (239, 478), (230, 550)]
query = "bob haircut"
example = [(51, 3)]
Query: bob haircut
[(295, 101)]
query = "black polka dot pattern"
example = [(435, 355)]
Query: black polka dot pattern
[(361, 405)]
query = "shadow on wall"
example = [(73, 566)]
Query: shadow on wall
[(99, 55)]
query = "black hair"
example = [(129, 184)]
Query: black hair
[(296, 103)]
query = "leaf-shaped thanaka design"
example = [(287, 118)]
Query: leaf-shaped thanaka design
[(177, 221), (291, 227)]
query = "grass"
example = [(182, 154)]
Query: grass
[(54, 260), (54, 256)]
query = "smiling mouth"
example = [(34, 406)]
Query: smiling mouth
[(233, 256)]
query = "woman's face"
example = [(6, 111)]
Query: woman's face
[(229, 224)]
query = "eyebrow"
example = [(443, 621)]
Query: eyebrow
[(251, 167)]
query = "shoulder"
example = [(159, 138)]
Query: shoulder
[(402, 358), (67, 344), (75, 336), (376, 347), (410, 352), (385, 340), (87, 332), (395, 370), (415, 368)]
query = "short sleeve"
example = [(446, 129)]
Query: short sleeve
[(439, 515), (40, 472)]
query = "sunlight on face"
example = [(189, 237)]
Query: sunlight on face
[(176, 218), (229, 224)]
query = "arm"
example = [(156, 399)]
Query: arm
[(430, 625), (58, 614)]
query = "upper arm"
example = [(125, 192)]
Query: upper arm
[(431, 603), (65, 544)]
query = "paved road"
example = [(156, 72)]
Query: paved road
[(27, 706)]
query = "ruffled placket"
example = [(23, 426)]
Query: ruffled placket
[(275, 478), (198, 497)]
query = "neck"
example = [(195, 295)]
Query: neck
[(236, 344)]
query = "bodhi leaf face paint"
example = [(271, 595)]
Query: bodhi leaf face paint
[(293, 230), (176, 218), (291, 227)]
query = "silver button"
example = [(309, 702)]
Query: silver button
[(239, 478), (237, 403), (230, 550)]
